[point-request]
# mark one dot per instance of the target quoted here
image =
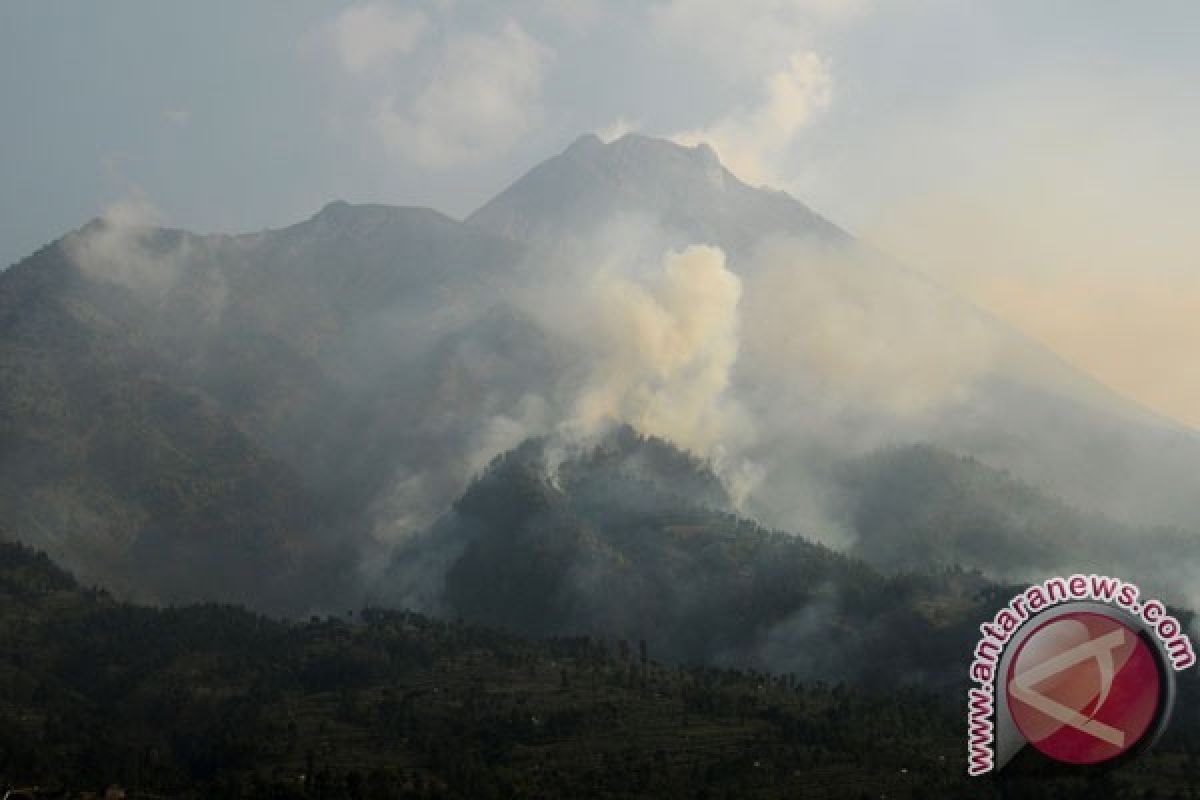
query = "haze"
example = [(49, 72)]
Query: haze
[(1038, 158)]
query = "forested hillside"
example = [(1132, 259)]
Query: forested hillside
[(214, 701), (915, 507)]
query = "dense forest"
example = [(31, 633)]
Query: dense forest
[(215, 701), (631, 538)]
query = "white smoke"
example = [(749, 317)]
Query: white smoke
[(752, 142), (118, 248), (666, 347), (812, 341), (505, 431), (618, 128), (864, 333), (127, 246), (483, 97)]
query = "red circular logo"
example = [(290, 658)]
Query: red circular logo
[(1084, 688)]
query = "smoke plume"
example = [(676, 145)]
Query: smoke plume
[(665, 348), (865, 333), (119, 248)]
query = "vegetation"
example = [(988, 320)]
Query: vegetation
[(918, 506), (232, 429), (620, 631), (135, 480), (214, 701), (629, 539)]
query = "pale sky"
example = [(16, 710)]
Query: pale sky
[(1038, 157)]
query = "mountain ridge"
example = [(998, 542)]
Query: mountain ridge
[(354, 370), (654, 169)]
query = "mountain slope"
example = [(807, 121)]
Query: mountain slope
[(915, 507), (611, 541), (213, 417), (838, 342), (263, 417), (137, 482)]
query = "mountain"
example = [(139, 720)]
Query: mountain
[(686, 189), (843, 348), (266, 417), (137, 481), (212, 417)]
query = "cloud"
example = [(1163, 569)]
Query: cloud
[(747, 39), (179, 117), (484, 95), (371, 35), (576, 15), (752, 141)]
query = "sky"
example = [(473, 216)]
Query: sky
[(1036, 157)]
